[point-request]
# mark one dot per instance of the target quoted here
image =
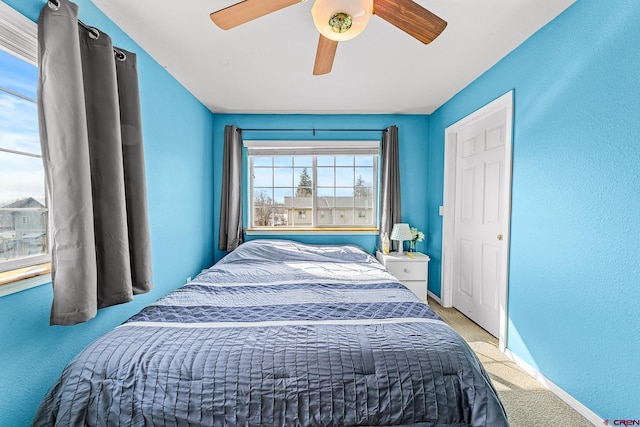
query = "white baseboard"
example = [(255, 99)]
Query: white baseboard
[(435, 298), (566, 397)]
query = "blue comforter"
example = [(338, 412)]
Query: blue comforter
[(279, 334)]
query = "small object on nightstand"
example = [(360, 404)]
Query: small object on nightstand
[(411, 269), (386, 244)]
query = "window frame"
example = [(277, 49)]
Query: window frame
[(20, 39), (314, 149)]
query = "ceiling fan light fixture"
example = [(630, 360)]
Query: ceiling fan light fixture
[(341, 20)]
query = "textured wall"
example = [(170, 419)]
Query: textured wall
[(178, 150), (575, 259)]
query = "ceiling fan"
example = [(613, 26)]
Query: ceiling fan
[(340, 20)]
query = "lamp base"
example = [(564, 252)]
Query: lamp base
[(400, 247)]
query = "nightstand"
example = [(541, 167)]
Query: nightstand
[(410, 271)]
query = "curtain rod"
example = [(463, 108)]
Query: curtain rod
[(314, 130)]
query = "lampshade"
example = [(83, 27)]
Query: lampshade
[(401, 232), (341, 20)]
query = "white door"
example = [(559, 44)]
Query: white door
[(479, 225)]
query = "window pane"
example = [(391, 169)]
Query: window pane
[(324, 217), (304, 192), (21, 177), (304, 186), (262, 161), (364, 176), (303, 161), (283, 177), (262, 207), (283, 161), (326, 177), (303, 209), (262, 177), (23, 215), (344, 216), (344, 177), (363, 189), (18, 124), (325, 160), (263, 216), (364, 160), (283, 196), (325, 197), (303, 202), (18, 76), (364, 196), (23, 232), (262, 197), (279, 217), (345, 194), (325, 204), (363, 216), (344, 161)]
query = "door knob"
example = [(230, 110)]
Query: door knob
[(499, 236)]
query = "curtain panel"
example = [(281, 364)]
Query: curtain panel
[(230, 235), (91, 136), (390, 204)]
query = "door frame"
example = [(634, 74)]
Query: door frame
[(503, 103)]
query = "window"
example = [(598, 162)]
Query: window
[(24, 244), (313, 185)]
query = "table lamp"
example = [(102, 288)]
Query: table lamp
[(401, 232)]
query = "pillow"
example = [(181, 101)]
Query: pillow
[(289, 250)]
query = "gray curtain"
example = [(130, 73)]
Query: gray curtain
[(230, 236), (390, 209), (90, 131)]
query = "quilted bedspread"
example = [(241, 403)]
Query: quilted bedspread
[(279, 334)]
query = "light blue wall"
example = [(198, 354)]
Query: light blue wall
[(178, 151), (574, 285), (412, 135)]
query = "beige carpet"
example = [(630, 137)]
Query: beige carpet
[(527, 402)]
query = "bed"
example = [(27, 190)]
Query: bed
[(279, 333)]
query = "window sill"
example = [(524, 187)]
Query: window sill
[(24, 278)]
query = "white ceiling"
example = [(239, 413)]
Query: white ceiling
[(265, 66)]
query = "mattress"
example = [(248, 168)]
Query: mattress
[(279, 333)]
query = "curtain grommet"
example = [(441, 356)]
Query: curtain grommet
[(54, 4), (94, 33), (120, 55)]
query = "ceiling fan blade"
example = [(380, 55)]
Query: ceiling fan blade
[(411, 18), (246, 11), (324, 56)]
